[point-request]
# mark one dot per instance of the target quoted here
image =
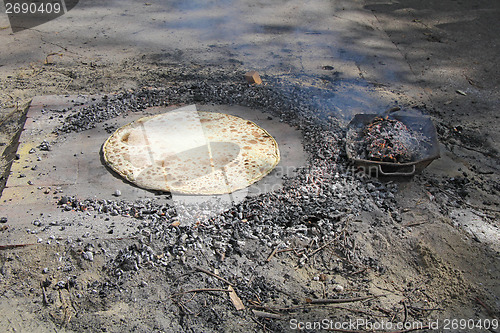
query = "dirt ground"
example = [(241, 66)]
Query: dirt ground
[(437, 262)]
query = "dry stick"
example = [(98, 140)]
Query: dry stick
[(340, 300), (326, 244), (260, 324), (67, 85), (184, 308), (487, 308), (320, 248), (414, 224), (201, 290), (263, 314), (272, 254), (214, 275), (359, 271), (13, 246), (45, 302), (321, 302), (285, 250), (406, 313), (387, 312)]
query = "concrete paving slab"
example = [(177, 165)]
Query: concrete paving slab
[(74, 167)]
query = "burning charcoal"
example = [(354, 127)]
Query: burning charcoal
[(388, 140)]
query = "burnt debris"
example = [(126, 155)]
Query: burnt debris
[(388, 140)]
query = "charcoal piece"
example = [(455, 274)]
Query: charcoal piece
[(388, 140)]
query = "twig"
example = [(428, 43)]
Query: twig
[(45, 301), (67, 85), (184, 308), (201, 290), (414, 224), (387, 312), (341, 300), (260, 324), (487, 308), (285, 250), (359, 271), (272, 254), (263, 314), (13, 246), (320, 248), (214, 275), (406, 313)]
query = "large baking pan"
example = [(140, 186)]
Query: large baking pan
[(428, 147)]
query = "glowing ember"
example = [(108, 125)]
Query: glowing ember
[(388, 140)]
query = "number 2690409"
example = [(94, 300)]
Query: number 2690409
[(32, 8)]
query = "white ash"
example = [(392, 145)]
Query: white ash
[(312, 206)]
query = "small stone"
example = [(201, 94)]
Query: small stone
[(3, 219), (61, 284), (117, 193), (45, 270), (338, 288), (88, 255), (44, 146)]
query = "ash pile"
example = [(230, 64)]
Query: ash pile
[(387, 140), (325, 191), (310, 210)]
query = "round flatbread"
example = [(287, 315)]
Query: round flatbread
[(192, 152)]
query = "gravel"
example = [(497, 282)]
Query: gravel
[(312, 206)]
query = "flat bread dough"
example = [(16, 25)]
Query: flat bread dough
[(192, 152)]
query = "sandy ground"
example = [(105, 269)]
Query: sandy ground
[(440, 262)]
